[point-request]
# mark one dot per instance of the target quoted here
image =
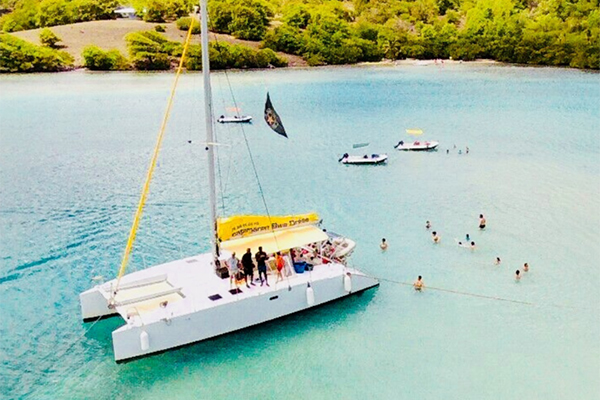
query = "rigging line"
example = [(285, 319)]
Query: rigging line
[(215, 130), (262, 195), (482, 296), (146, 188)]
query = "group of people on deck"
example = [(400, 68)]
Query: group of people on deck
[(245, 267), (312, 254)]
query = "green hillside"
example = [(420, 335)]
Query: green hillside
[(543, 32)]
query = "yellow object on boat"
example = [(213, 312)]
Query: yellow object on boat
[(239, 226), (414, 131), (275, 241)]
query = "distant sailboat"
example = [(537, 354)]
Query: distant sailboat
[(192, 299)]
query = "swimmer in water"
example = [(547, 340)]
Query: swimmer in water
[(482, 222), (525, 267), (467, 238), (419, 285), (427, 225), (436, 237), (447, 151), (517, 274), (498, 261), (383, 244), (473, 245), (460, 152)]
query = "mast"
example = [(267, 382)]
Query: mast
[(208, 116)]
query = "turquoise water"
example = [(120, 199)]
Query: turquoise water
[(73, 152)]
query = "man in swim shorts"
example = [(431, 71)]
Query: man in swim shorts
[(435, 237), (261, 263), (482, 221), (232, 264), (248, 266)]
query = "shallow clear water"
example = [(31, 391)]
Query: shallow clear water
[(73, 152)]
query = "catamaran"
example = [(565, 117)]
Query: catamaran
[(192, 299)]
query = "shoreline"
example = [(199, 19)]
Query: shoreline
[(384, 63), (110, 34)]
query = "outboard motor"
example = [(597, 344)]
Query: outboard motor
[(343, 157)]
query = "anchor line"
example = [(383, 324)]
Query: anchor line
[(482, 296)]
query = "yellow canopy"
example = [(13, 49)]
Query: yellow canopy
[(275, 241), (414, 131), (239, 226)]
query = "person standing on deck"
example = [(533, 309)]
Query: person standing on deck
[(280, 263), (248, 267), (261, 262), (233, 264)]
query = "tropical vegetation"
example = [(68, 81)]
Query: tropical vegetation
[(17, 55), (151, 51), (546, 32)]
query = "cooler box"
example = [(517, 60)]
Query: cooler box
[(299, 267)]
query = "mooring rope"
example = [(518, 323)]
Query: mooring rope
[(481, 296)]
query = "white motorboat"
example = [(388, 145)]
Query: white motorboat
[(364, 160), (417, 145), (235, 119), (192, 299)]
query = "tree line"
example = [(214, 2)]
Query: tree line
[(148, 51), (544, 32)]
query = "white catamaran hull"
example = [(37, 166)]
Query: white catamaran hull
[(193, 318)]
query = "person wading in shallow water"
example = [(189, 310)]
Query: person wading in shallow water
[(482, 222), (383, 244), (419, 284)]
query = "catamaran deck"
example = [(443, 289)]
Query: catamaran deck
[(190, 285)]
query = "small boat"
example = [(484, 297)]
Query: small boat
[(373, 159), (235, 119), (417, 145)]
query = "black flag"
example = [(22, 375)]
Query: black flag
[(273, 119)]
